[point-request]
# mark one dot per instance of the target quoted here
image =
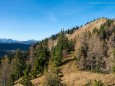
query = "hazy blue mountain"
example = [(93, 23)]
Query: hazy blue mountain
[(29, 42), (3, 40)]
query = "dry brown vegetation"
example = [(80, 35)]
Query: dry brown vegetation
[(74, 77)]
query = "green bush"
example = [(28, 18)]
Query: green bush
[(95, 30), (26, 79), (52, 79), (33, 74), (95, 83), (113, 69), (114, 53), (26, 82)]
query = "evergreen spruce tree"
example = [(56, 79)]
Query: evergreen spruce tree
[(62, 44), (20, 65), (26, 79), (42, 58)]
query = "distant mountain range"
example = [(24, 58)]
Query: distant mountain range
[(10, 45), (29, 42)]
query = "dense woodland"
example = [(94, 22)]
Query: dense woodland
[(14, 46), (96, 53), (7, 48)]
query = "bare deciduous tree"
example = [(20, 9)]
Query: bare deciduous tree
[(5, 71)]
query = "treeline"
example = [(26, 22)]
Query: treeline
[(7, 48), (14, 46), (68, 31)]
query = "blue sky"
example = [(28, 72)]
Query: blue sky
[(37, 19)]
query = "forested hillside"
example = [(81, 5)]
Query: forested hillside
[(14, 46), (81, 56), (7, 48)]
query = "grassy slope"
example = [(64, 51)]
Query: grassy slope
[(74, 77)]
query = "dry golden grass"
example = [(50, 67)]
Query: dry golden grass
[(38, 81), (51, 43), (87, 27), (74, 77), (80, 78), (18, 84)]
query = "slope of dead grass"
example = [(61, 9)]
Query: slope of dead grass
[(87, 27), (80, 78), (73, 77), (38, 81)]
